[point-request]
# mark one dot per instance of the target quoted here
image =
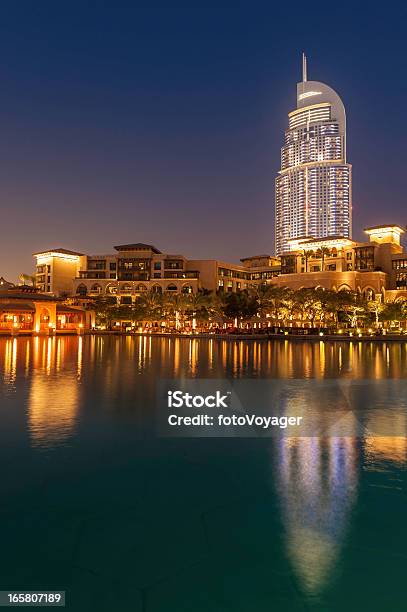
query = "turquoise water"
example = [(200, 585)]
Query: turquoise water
[(93, 503)]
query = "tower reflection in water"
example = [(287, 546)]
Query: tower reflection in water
[(317, 484), (317, 479)]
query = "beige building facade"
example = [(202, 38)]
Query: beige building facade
[(55, 270), (375, 268)]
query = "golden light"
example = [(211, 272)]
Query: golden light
[(385, 233), (43, 257)]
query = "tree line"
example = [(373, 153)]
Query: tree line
[(279, 306)]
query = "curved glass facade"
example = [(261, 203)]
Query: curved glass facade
[(314, 186)]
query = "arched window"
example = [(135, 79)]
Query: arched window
[(172, 288), (96, 288), (81, 290), (125, 288), (45, 318), (187, 289), (156, 289), (369, 294), (140, 288)]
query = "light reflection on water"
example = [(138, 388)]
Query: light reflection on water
[(317, 483), (52, 409), (53, 369), (317, 480), (189, 356)]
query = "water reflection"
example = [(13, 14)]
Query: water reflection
[(390, 448), (10, 362), (317, 484), (385, 449), (52, 410), (52, 369), (53, 398), (61, 382)]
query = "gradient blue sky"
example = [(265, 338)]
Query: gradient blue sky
[(162, 122)]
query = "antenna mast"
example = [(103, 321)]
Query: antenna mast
[(304, 68)]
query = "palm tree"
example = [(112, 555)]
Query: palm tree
[(261, 294), (323, 252), (242, 305), (198, 305), (27, 279), (217, 305), (176, 305), (307, 254), (151, 305), (106, 310)]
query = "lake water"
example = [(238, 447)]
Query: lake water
[(94, 503)]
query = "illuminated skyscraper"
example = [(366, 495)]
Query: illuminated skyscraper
[(314, 185)]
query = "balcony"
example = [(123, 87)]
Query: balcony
[(190, 274), (133, 275), (97, 265), (174, 265), (91, 274)]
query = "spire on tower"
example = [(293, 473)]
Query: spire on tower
[(304, 68)]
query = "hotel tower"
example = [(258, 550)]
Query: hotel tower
[(314, 185)]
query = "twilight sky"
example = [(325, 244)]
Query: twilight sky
[(162, 122)]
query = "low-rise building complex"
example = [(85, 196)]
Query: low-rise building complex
[(376, 268), (26, 310)]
